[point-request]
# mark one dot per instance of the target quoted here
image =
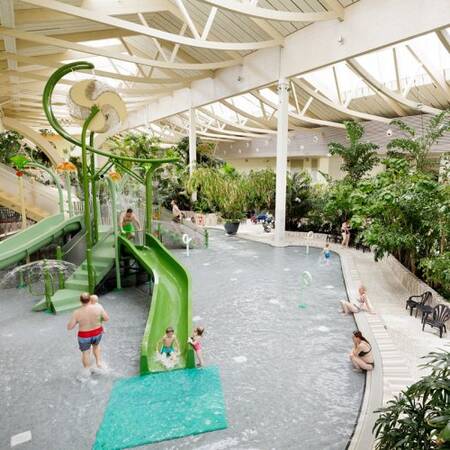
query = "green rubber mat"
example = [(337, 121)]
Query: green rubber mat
[(166, 405)]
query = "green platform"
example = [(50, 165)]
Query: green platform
[(153, 408)]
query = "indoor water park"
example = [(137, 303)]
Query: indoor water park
[(225, 225)]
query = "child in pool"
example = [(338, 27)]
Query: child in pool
[(196, 343), (327, 254), (168, 345)]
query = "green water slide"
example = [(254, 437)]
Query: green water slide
[(17, 247), (170, 304)]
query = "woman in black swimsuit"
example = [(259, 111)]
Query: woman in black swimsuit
[(361, 355)]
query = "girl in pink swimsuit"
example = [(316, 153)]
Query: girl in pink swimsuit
[(196, 343)]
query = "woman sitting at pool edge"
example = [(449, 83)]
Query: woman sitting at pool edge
[(361, 355), (364, 304)]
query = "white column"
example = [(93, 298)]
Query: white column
[(192, 140), (192, 146), (281, 170)]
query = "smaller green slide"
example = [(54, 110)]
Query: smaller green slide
[(24, 243), (170, 303)]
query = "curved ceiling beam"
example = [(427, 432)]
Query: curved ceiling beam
[(248, 9), (51, 153), (302, 84), (97, 51), (271, 124), (149, 31), (47, 62), (379, 87), (301, 118), (239, 126)]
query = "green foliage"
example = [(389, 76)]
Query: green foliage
[(224, 192), (12, 144), (359, 157), (419, 417), (436, 270), (298, 191), (260, 188), (19, 162), (417, 147)]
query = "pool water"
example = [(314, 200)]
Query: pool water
[(282, 350), (285, 373)]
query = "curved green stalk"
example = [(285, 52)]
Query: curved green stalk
[(112, 190), (54, 178), (87, 209), (95, 206), (53, 121)]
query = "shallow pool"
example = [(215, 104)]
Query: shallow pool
[(282, 352), (284, 368)]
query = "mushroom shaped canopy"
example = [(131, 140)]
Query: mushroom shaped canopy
[(85, 94)]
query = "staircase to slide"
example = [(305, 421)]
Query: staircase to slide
[(68, 298), (41, 201)]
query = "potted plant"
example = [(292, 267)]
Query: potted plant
[(223, 191)]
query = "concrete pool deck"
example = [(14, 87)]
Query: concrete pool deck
[(398, 341)]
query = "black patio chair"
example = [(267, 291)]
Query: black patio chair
[(418, 302), (439, 315)]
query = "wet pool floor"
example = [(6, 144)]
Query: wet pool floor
[(285, 373)]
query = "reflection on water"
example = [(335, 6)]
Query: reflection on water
[(285, 371), (33, 273)]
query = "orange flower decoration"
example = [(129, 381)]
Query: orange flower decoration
[(66, 166), (115, 176)]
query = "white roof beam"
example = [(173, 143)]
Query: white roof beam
[(302, 84), (209, 23), (152, 32), (97, 51), (379, 87), (361, 33), (248, 9), (436, 75), (187, 18), (300, 117), (43, 61), (444, 37)]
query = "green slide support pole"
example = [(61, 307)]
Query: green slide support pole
[(59, 257), (55, 179), (149, 200), (48, 287), (87, 209), (69, 192), (95, 207), (112, 190), (21, 280), (206, 238)]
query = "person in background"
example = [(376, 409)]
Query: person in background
[(128, 222), (177, 215), (361, 355), (345, 231), (89, 318), (327, 254), (363, 303)]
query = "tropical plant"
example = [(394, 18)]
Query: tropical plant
[(359, 158), (436, 271), (298, 191), (260, 188), (223, 192), (13, 143), (419, 417), (416, 147)]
